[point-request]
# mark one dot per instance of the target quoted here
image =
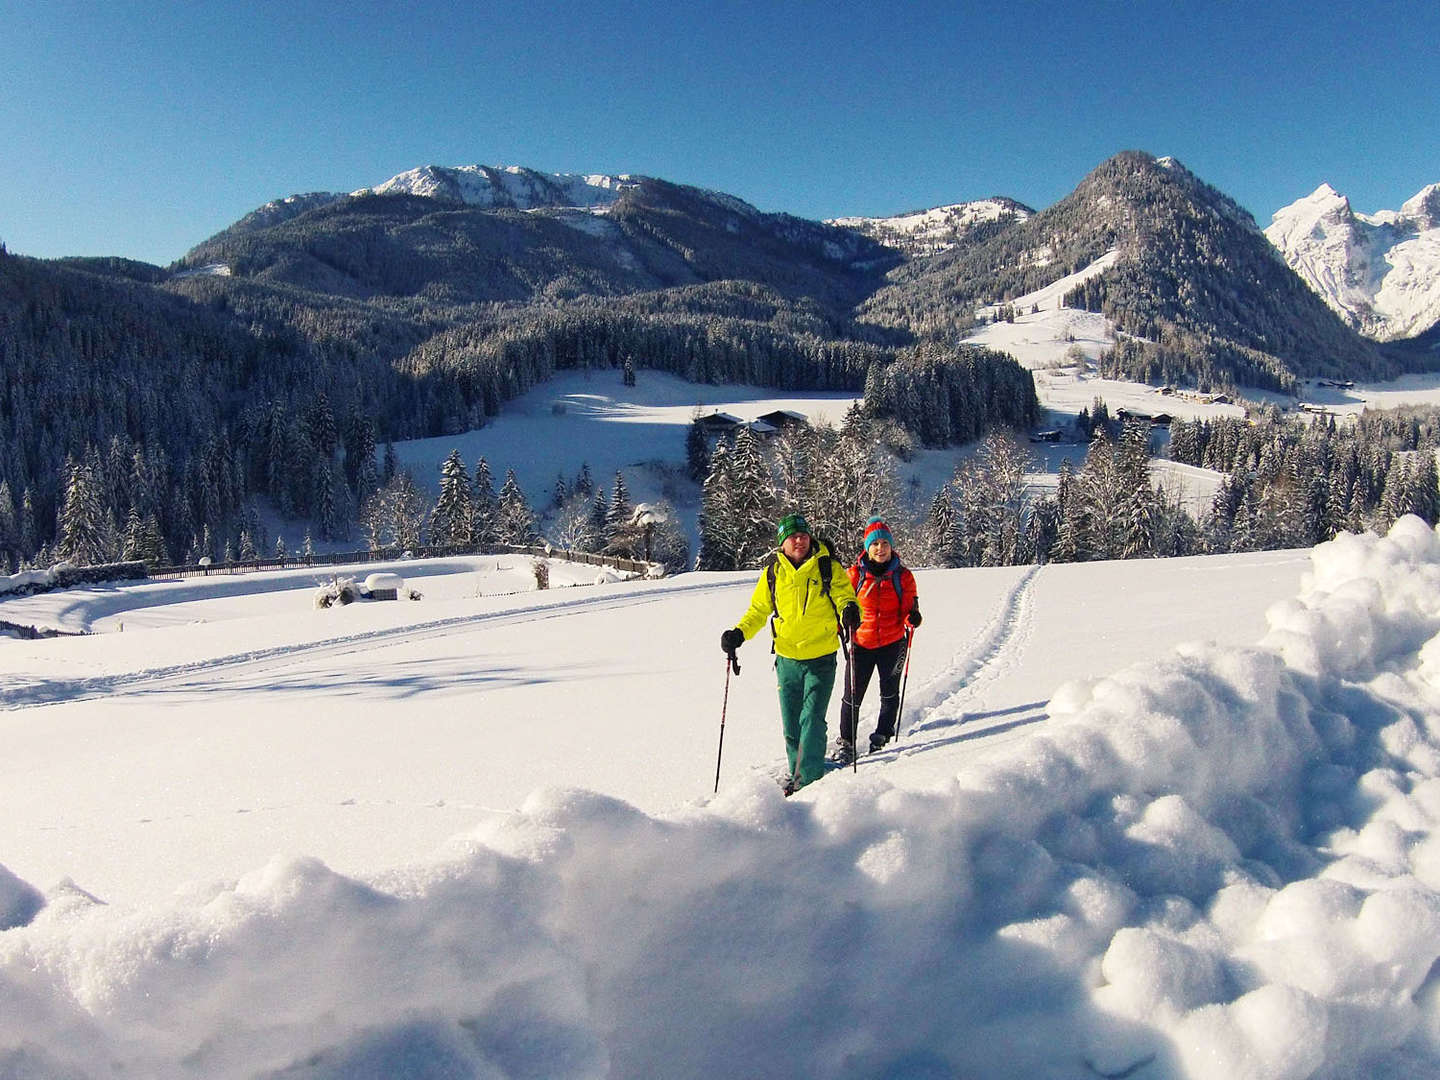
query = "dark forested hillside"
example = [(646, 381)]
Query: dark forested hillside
[(658, 235)]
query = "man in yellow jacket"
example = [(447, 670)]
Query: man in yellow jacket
[(809, 601)]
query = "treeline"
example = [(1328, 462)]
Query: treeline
[(469, 513), (1108, 509), (952, 395), (466, 373), (1294, 483), (839, 477), (836, 477), (1288, 483)]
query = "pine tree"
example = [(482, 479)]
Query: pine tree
[(485, 507), (360, 472), (329, 518), (516, 523), (595, 535), (697, 451), (620, 510), (584, 485), (29, 535), (1069, 527), (451, 523), (1100, 497), (753, 502), (87, 536), (10, 553), (720, 537), (1139, 506), (131, 545)]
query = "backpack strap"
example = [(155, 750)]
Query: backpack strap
[(893, 574), (827, 570)]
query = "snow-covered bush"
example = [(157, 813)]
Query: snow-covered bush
[(337, 590)]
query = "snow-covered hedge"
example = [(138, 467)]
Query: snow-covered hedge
[(64, 576)]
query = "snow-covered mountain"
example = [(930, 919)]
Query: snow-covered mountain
[(1380, 272), (928, 232), (511, 186)]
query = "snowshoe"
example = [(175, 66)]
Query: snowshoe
[(844, 753)]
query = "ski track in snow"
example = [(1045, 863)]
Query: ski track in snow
[(989, 654), (952, 695), (57, 691)]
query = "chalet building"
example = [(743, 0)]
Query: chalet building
[(781, 419), (1154, 420), (720, 423)]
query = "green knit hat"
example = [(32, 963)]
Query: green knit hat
[(789, 525)]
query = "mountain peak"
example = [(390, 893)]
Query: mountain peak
[(1423, 208), (1380, 272), (507, 186)]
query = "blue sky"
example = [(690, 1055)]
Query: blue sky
[(140, 128)]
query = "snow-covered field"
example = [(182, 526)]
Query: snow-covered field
[(1148, 819), (1157, 819)]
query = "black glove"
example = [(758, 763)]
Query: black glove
[(850, 617), (914, 617), (731, 640)]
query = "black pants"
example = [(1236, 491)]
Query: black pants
[(889, 660)]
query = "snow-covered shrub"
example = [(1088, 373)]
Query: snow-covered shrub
[(541, 568), (337, 591)]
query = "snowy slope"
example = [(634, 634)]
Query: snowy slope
[(473, 835), (1380, 271), (927, 232)]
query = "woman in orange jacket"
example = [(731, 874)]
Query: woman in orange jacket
[(888, 609)]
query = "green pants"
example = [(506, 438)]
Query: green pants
[(805, 687)]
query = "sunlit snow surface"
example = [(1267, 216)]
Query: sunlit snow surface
[(495, 852)]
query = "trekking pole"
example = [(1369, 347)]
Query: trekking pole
[(731, 661), (904, 680), (854, 706)]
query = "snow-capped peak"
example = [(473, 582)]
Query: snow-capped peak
[(1423, 208), (1380, 271), (926, 232), (510, 186)]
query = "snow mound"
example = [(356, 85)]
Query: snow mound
[(1219, 864)]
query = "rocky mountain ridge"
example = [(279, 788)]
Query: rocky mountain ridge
[(1380, 272)]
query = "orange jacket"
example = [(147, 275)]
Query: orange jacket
[(882, 609)]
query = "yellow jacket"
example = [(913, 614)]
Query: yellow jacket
[(806, 625)]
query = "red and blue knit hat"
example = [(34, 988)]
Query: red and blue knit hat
[(876, 529)]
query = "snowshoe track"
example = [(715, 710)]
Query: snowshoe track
[(993, 651)]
